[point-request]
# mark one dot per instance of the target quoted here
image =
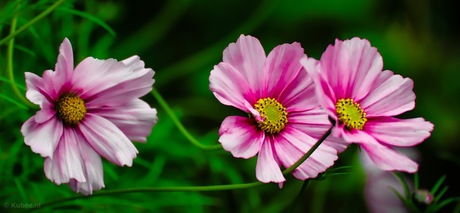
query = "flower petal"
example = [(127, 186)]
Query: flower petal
[(292, 144), (240, 136), (107, 140), (392, 97), (247, 56), (136, 83), (384, 157), (40, 91), (135, 119), (351, 67), (44, 115), (324, 93), (281, 68), (64, 67), (230, 87), (66, 163), (267, 168), (399, 132), (92, 167), (42, 138)]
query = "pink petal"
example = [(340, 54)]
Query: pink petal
[(44, 115), (240, 136), (267, 168), (93, 76), (107, 140), (40, 91), (384, 157), (324, 93), (137, 82), (42, 138), (92, 167), (135, 119), (247, 56), (392, 97), (292, 144), (230, 87), (399, 132), (282, 67), (351, 67), (299, 95), (64, 67), (66, 163)]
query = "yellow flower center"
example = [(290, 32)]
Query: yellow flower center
[(273, 113), (350, 113), (71, 109)]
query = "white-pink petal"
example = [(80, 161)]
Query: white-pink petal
[(383, 156), (399, 132), (247, 56), (42, 138), (241, 137), (107, 140), (230, 87), (292, 144), (267, 168), (66, 163), (281, 68), (92, 168), (135, 119), (64, 67), (392, 97)]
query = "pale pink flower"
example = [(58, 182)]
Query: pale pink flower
[(363, 100), (284, 116), (91, 111)]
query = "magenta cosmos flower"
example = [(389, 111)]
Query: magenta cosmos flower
[(363, 100), (86, 113), (284, 116)]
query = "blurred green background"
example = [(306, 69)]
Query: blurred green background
[(182, 40)]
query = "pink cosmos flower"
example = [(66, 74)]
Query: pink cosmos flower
[(284, 116), (91, 111), (363, 100)]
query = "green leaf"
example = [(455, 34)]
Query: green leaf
[(437, 185), (89, 17)]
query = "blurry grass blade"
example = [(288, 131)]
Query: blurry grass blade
[(153, 30), (445, 202), (404, 183), (89, 17), (14, 102), (26, 50), (437, 185), (20, 188), (440, 194), (20, 86), (416, 181), (31, 22)]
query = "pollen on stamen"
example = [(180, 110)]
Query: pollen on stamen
[(70, 109), (350, 114), (274, 115)]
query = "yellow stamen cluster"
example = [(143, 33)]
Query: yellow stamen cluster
[(70, 109), (350, 113), (273, 113)]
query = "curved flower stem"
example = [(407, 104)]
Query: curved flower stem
[(179, 125), (187, 188), (9, 65), (31, 22), (312, 149)]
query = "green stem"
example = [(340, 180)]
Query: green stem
[(188, 188), (159, 189), (179, 125), (31, 22), (312, 149), (9, 65)]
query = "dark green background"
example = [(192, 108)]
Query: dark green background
[(182, 40)]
